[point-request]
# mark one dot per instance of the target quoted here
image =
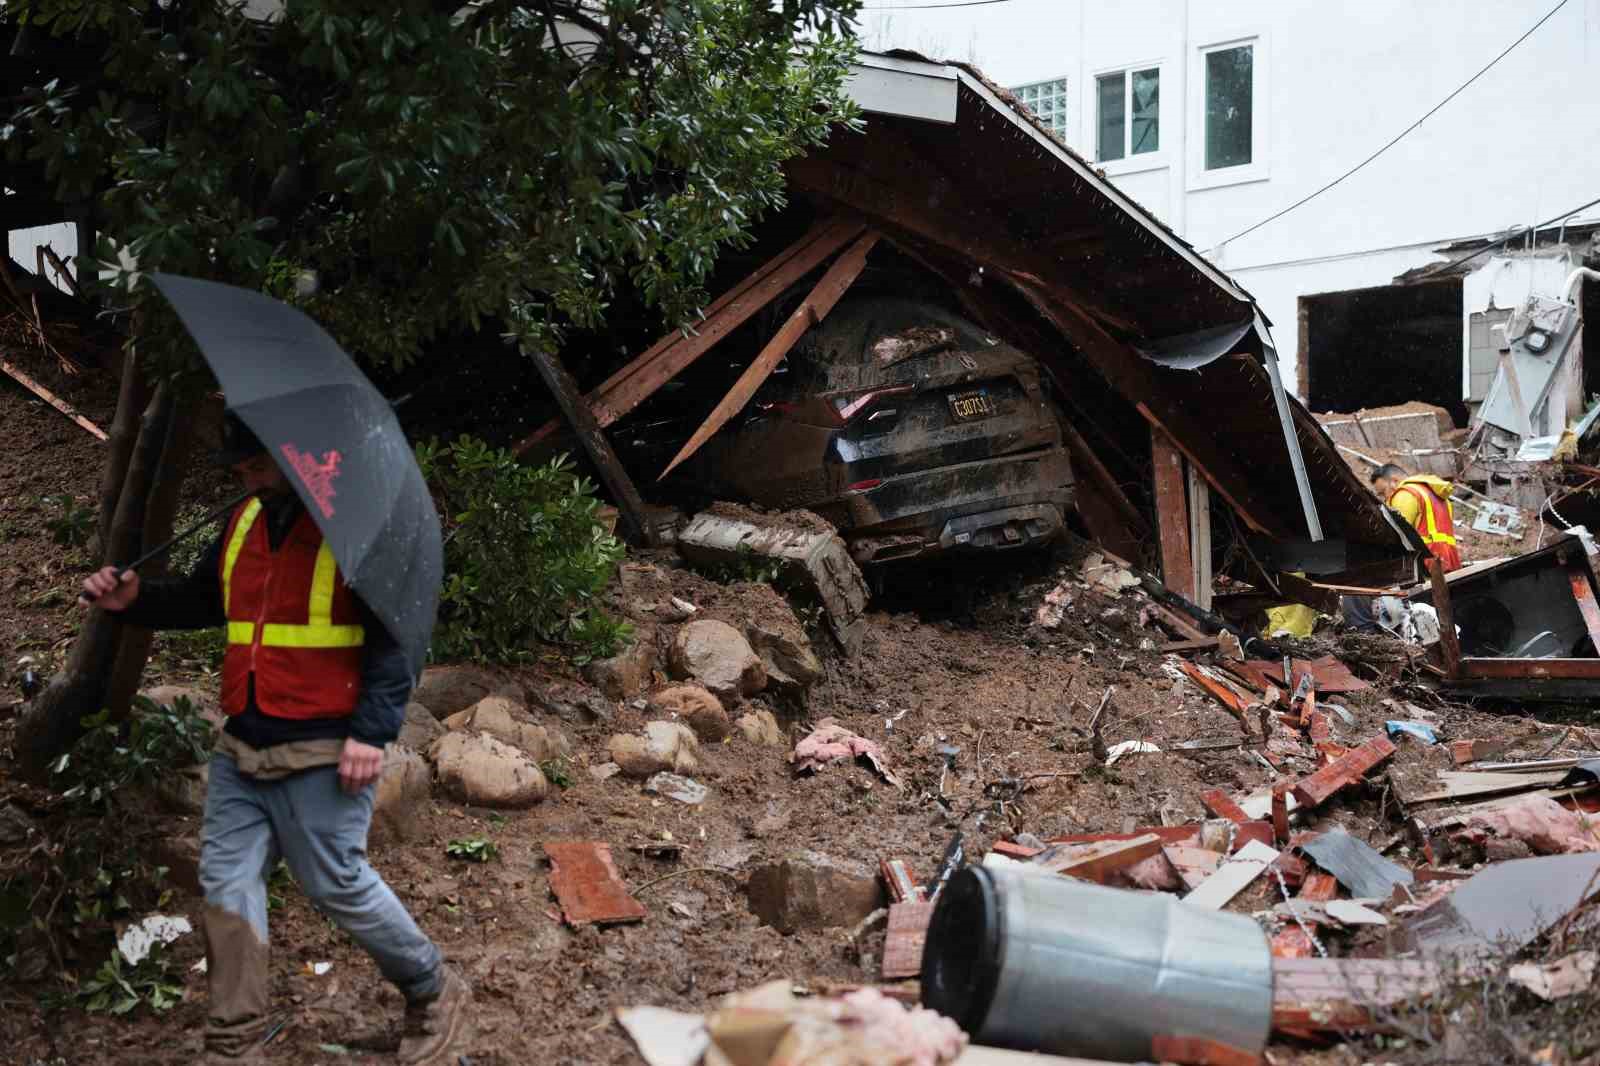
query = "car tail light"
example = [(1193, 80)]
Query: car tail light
[(863, 486), (849, 406)]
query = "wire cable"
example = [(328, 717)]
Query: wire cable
[(1401, 135), (1514, 234)]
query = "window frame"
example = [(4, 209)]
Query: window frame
[(1066, 106), (1128, 164), (1259, 168)]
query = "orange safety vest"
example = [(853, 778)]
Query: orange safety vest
[(1436, 524), (292, 622)]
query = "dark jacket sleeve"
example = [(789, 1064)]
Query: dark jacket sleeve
[(385, 686), (192, 602)]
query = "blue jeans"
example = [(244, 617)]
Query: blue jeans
[(320, 830)]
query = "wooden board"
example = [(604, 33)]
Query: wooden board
[(1096, 861), (1193, 865), (908, 934), (1467, 784), (1172, 515), (1222, 805), (1583, 592), (585, 882), (1233, 876)]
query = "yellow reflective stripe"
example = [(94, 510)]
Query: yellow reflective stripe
[(241, 632), (278, 635), (1438, 538), (322, 587), (235, 545)]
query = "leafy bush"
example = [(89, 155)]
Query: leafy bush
[(525, 554), (110, 757), (118, 987)]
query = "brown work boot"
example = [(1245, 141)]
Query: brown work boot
[(438, 1027)]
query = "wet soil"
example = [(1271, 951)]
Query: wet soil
[(967, 671)]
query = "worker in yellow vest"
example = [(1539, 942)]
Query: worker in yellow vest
[(1424, 501)]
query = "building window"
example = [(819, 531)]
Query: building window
[(1229, 107), (1128, 110), (1048, 102)]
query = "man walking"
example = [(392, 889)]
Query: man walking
[(313, 687), (1424, 501)]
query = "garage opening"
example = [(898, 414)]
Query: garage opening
[(1384, 346)]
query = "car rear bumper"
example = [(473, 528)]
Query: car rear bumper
[(992, 504)]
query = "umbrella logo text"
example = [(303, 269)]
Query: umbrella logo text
[(318, 477)]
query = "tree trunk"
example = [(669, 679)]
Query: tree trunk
[(132, 397), (52, 723), (161, 509)]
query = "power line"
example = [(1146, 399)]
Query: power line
[(1492, 245), (1401, 135), (933, 7)]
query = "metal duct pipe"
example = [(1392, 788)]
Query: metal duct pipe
[(1031, 960)]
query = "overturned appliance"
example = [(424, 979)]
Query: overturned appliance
[(1524, 628)]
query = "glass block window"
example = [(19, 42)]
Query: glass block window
[(1048, 101)]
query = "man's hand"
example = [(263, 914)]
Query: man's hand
[(359, 765), (110, 589)]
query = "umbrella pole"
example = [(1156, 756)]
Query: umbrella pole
[(124, 571)]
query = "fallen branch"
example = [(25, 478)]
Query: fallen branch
[(729, 874), (51, 398)]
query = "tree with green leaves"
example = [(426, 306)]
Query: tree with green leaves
[(407, 174)]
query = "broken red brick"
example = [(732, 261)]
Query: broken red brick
[(1012, 850), (1193, 865), (586, 883), (902, 884), (1222, 805), (908, 934), (1295, 942), (1315, 790), (1319, 728), (1465, 751)]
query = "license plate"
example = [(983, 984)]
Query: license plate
[(973, 405)]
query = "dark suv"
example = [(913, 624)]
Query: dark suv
[(909, 428)]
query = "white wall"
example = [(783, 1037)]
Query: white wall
[(63, 240), (1339, 79)]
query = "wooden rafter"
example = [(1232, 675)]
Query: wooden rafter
[(668, 356), (812, 310)]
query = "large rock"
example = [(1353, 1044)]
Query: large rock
[(575, 704), (478, 769), (760, 727), (717, 655), (792, 666), (421, 728), (696, 706), (204, 703), (403, 787), (447, 689), (669, 746), (626, 674), (809, 890), (495, 715)]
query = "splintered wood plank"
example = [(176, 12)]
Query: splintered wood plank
[(1351, 767), (901, 881), (1229, 698), (1233, 876), (1193, 865), (1174, 834), (585, 882), (908, 933), (1095, 861), (1172, 515)]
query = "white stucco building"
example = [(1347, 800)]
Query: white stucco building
[(1217, 114)]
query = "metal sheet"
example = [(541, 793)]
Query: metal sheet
[(1191, 351), (1504, 906), (1358, 867), (906, 88)]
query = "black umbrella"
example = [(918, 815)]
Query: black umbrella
[(337, 441)]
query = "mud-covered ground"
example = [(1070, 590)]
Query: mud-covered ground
[(955, 664)]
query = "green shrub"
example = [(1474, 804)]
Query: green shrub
[(70, 523), (525, 555)]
